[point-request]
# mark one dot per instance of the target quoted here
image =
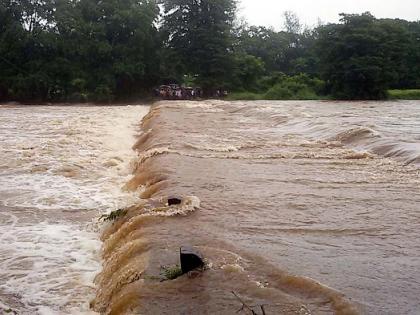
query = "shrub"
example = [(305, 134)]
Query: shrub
[(278, 92), (171, 273), (103, 94), (282, 87), (114, 215), (291, 90)]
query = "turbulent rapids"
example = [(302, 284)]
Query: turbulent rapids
[(61, 168), (302, 207)]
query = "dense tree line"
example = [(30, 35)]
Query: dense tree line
[(363, 57), (67, 50), (106, 50)]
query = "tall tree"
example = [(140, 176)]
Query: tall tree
[(292, 23), (29, 45), (264, 43), (199, 32), (116, 45), (361, 56), (11, 32)]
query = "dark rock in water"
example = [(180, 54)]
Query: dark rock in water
[(190, 259), (174, 201)]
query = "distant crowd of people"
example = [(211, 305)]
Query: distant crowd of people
[(176, 92)]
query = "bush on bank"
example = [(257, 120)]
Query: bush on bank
[(283, 87)]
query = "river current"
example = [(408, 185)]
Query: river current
[(299, 207), (61, 168)]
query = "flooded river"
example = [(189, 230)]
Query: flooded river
[(299, 207), (60, 169)]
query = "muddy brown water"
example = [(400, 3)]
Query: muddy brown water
[(306, 208), (60, 169), (299, 207)]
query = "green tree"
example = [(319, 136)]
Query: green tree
[(409, 66), (200, 34), (291, 52), (360, 57), (292, 23), (11, 32), (264, 43), (248, 69), (112, 44), (102, 50), (27, 46), (78, 50)]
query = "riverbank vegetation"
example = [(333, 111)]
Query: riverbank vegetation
[(404, 94), (284, 87), (104, 51)]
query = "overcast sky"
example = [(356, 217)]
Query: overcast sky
[(270, 12)]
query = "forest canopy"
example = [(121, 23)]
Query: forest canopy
[(111, 50)]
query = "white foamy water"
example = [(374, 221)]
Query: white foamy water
[(60, 169)]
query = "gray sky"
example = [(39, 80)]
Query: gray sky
[(270, 12)]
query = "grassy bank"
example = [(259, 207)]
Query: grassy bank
[(249, 96), (404, 94)]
